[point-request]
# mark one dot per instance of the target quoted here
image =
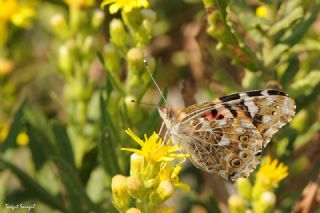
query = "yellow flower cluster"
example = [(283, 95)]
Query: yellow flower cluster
[(125, 5), (153, 176), (259, 196), (271, 173), (20, 14)]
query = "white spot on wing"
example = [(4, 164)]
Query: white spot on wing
[(224, 142), (221, 122), (253, 109), (266, 118)]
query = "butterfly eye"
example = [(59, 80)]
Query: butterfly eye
[(235, 162)]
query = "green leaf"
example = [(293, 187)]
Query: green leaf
[(63, 143), (33, 187), (290, 71), (106, 147), (15, 129), (307, 136), (78, 200), (286, 22), (295, 34)]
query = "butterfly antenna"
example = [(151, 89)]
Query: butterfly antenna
[(155, 83), (146, 104)]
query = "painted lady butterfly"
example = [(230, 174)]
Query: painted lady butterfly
[(227, 136)]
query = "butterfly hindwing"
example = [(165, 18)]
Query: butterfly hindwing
[(230, 147)]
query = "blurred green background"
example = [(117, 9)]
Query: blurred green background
[(69, 70)]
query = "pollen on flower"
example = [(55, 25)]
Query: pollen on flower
[(153, 149), (272, 172), (124, 5)]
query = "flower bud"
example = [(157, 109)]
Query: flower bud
[(97, 19), (266, 203), (165, 189), (133, 210), (118, 33), (136, 164), (135, 186), (66, 58), (87, 45), (236, 204), (59, 25), (121, 198), (135, 58), (111, 59), (6, 66), (244, 188)]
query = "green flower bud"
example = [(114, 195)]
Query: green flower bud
[(244, 188), (133, 210), (265, 204), (59, 25), (132, 109), (87, 46), (118, 33), (135, 186), (121, 198), (236, 204), (135, 58), (136, 164), (97, 19), (165, 190), (66, 58), (111, 59)]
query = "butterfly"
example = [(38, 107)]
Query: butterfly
[(227, 136)]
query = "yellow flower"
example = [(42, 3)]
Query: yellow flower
[(125, 5), (153, 149), (23, 139), (80, 3), (263, 11), (271, 172), (20, 14), (172, 174)]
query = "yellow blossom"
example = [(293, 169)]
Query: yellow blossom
[(172, 174), (23, 139), (153, 149), (80, 3), (271, 172), (20, 14), (125, 5), (263, 11)]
